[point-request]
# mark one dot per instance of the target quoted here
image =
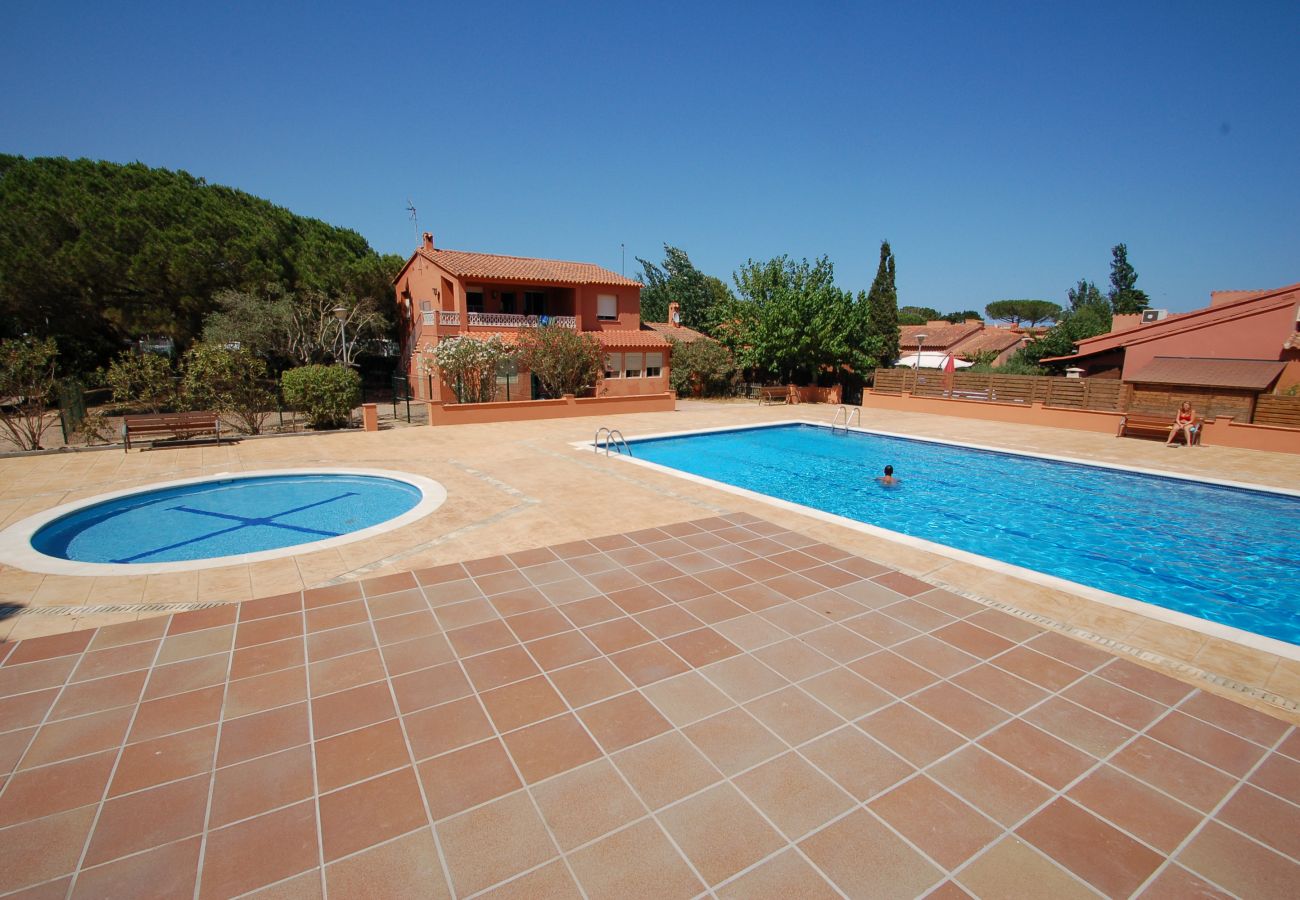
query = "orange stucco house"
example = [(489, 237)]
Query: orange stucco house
[(447, 293)]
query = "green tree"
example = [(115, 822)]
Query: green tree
[(564, 361), (294, 328), (142, 379), (326, 394), (881, 345), (1085, 293), (1090, 318), (961, 316), (791, 322), (701, 368), (1030, 312), (678, 280), (26, 388), (916, 315), (1124, 294), (232, 382), (99, 253)]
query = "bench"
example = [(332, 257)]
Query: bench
[(779, 394), (178, 425), (1155, 426)]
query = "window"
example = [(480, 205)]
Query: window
[(474, 301), (654, 363), (426, 311), (534, 303), (613, 365), (607, 308), (633, 365), (508, 302)]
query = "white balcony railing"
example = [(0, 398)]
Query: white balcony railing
[(511, 320), (428, 317), (448, 317)]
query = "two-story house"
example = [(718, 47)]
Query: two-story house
[(446, 293)]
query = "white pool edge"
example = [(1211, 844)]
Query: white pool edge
[(1117, 601), (16, 548)]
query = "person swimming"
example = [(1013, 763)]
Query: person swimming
[(888, 479)]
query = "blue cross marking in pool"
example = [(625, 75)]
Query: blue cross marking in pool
[(243, 522)]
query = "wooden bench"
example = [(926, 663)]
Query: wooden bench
[(779, 394), (178, 425), (1155, 426)]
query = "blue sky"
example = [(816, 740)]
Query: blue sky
[(1002, 148)]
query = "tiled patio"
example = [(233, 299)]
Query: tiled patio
[(721, 707)]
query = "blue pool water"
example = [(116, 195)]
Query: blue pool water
[(1219, 553), (223, 518)]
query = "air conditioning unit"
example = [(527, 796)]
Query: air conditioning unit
[(1154, 315)]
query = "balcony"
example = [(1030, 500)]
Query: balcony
[(511, 320)]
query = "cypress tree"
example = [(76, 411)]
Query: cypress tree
[(882, 312)]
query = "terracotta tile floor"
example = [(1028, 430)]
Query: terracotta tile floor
[(720, 707)]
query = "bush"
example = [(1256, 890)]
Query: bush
[(470, 366), (143, 379), (326, 394), (230, 382), (701, 368), (26, 386), (564, 361)]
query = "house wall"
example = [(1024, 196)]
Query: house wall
[(1257, 336), (629, 307)]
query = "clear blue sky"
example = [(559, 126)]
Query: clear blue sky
[(1002, 148)]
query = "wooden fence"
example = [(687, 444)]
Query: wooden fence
[(1070, 393), (1277, 409)]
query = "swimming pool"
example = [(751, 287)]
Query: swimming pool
[(1219, 553), (217, 521)]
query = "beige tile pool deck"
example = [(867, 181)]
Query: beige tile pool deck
[(690, 693)]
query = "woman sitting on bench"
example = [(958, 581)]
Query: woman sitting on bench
[(1184, 423)]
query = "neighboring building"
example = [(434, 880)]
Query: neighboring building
[(1249, 326), (446, 293), (962, 339)]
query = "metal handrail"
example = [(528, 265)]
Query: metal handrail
[(614, 438), (848, 417)]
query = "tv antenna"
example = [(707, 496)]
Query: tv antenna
[(415, 219)]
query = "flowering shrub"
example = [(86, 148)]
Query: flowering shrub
[(470, 365), (564, 361)]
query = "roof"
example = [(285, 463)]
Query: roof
[(1191, 371), (1251, 303), (677, 332), (998, 339), (465, 264), (621, 339), (940, 338)]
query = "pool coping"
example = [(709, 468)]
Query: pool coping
[(1207, 627), (16, 548)]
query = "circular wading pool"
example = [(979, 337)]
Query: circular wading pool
[(217, 521)]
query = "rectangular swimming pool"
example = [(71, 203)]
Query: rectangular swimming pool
[(1219, 553)]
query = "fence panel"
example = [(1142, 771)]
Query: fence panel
[(1277, 409), (889, 381), (1071, 393)]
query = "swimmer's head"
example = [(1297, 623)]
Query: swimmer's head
[(889, 470)]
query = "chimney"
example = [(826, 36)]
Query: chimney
[(674, 313), (428, 240)]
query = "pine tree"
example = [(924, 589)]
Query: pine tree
[(1124, 296), (882, 312)]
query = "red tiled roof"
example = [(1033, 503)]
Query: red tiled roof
[(1244, 374), (940, 338), (998, 339), (677, 332), (1250, 303), (465, 264), (628, 338)]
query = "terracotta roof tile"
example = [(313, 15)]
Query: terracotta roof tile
[(677, 332), (1245, 374), (628, 338), (998, 339), (940, 338), (465, 264)]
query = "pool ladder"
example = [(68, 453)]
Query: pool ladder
[(849, 415), (613, 438)]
